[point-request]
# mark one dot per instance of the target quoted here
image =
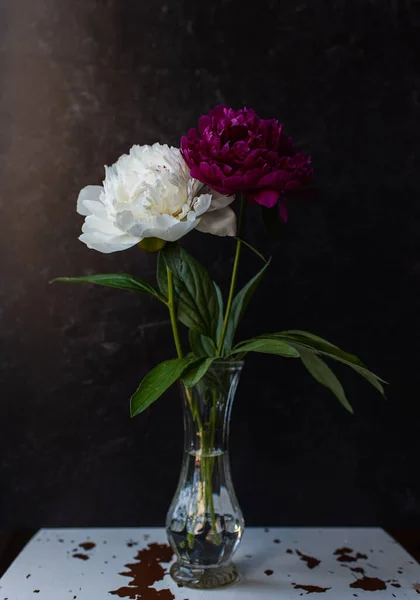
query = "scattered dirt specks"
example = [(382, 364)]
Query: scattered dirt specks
[(348, 555)]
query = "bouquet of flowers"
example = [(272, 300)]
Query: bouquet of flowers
[(152, 198)]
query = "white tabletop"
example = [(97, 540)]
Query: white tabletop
[(277, 563)]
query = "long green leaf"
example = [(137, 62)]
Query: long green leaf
[(239, 305), (201, 345), (309, 341), (248, 245), (122, 281), (161, 275), (156, 382), (197, 301), (324, 375), (266, 346), (195, 372), (320, 344)]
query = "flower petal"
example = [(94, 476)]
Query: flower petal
[(102, 235), (107, 246), (218, 222), (202, 204), (267, 198), (90, 193), (283, 214), (219, 200), (164, 227)]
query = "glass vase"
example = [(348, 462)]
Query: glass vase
[(204, 522)]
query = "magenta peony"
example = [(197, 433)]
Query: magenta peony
[(236, 151)]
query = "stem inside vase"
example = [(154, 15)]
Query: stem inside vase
[(204, 522)]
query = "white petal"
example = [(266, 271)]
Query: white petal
[(106, 246), (202, 204), (219, 201), (164, 227), (90, 193), (219, 222), (105, 226), (102, 235), (96, 208)]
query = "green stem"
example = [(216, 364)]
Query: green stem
[(232, 282), (172, 314), (207, 471)]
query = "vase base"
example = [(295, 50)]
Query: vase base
[(204, 578)]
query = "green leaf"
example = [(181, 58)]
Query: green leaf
[(302, 339), (161, 275), (122, 281), (239, 305), (266, 346), (195, 372), (201, 345), (197, 300), (370, 377), (320, 344), (157, 381), (248, 245), (323, 374)]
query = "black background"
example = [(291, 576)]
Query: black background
[(81, 81)]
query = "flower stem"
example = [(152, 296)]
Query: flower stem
[(233, 281), (206, 466), (171, 306)]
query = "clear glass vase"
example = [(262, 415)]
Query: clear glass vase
[(204, 522)]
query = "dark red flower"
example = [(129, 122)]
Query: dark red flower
[(236, 151)]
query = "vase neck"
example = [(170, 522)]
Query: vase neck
[(207, 408)]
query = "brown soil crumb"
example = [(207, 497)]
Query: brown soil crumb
[(311, 589), (357, 570), (311, 561), (369, 584), (87, 545), (81, 556), (146, 571), (344, 550), (268, 572), (348, 555)]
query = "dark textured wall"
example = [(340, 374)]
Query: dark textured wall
[(81, 81)]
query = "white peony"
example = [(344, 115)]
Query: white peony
[(149, 194)]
